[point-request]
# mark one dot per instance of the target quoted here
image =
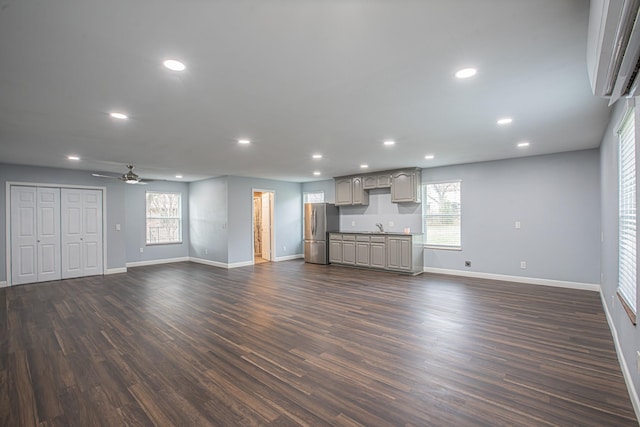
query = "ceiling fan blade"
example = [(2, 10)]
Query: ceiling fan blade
[(105, 176)]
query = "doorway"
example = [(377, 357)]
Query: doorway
[(263, 238)]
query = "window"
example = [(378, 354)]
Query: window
[(442, 214), (164, 218), (627, 214), (313, 197)]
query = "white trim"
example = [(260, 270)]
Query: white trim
[(272, 208), (115, 270), (7, 218), (518, 279), (157, 261), (626, 374), (3, 284), (240, 264), (289, 257), (221, 264)]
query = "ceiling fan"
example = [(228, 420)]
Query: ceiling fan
[(130, 177)]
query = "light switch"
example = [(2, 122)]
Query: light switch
[(117, 227), (517, 224)]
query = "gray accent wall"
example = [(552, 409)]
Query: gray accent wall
[(628, 334), (287, 212), (208, 225), (555, 197), (135, 210), (116, 246)]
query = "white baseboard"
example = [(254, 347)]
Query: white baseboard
[(289, 257), (518, 279), (4, 284), (209, 262), (626, 374), (240, 264), (115, 270), (157, 261)]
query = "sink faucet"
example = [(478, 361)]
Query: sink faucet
[(379, 225)]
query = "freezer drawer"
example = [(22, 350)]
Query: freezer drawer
[(315, 251)]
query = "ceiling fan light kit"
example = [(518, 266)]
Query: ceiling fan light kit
[(129, 177)]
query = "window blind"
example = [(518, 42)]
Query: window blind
[(627, 211), (442, 214)]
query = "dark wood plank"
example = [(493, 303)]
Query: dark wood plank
[(291, 343)]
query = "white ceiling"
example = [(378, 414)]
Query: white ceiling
[(336, 77)]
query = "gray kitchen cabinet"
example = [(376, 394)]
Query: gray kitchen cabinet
[(343, 191), (377, 181), (370, 182), (384, 180), (378, 252), (351, 191), (335, 248), (362, 251), (405, 186), (399, 255), (349, 249)]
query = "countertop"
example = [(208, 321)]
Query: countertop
[(378, 233)]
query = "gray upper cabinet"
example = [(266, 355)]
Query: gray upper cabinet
[(343, 191), (370, 182), (384, 180), (350, 191), (405, 186)]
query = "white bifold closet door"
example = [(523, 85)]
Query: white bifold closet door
[(35, 234), (81, 232)]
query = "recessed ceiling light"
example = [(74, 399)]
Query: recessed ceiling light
[(119, 116), (244, 141), (363, 166), (174, 65), (316, 173), (72, 157), (523, 144), (178, 176), (504, 121), (389, 142), (317, 156), (429, 156), (465, 73)]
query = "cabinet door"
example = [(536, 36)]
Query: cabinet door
[(335, 251), (399, 253), (370, 182), (343, 191), (349, 252), (403, 187), (362, 254), (384, 181), (378, 254), (358, 191)]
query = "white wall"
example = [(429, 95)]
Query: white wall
[(555, 197)]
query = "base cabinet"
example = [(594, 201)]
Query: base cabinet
[(401, 253)]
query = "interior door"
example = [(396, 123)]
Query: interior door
[(81, 232), (24, 238), (266, 226), (48, 231)]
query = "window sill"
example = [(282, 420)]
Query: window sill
[(627, 309), (444, 248)]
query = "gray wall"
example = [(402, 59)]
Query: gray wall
[(327, 186), (116, 250), (393, 216), (555, 197), (135, 210), (287, 212), (628, 335), (208, 223)]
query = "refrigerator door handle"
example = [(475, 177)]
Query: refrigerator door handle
[(313, 223)]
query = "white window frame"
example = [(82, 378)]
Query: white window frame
[(307, 194), (425, 215), (627, 199), (148, 217)]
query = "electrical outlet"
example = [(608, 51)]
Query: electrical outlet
[(117, 227), (206, 251), (523, 264), (518, 224), (638, 361), (353, 223), (467, 263), (613, 300), (284, 249), (141, 250), (391, 224)]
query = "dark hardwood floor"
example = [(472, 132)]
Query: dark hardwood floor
[(290, 343)]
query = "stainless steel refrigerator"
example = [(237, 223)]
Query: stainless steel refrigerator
[(319, 220)]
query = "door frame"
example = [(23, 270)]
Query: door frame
[(272, 225), (7, 221)]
